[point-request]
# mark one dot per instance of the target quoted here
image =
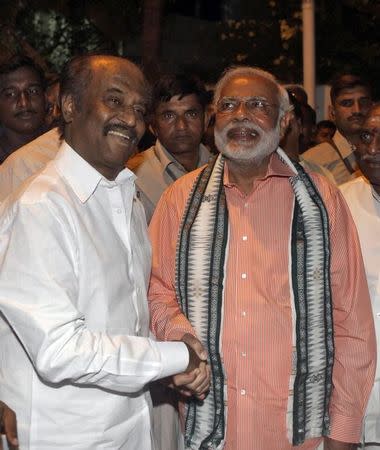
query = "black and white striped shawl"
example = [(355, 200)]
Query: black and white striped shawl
[(202, 252)]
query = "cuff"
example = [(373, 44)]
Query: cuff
[(174, 358), (345, 429)]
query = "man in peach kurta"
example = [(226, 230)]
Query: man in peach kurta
[(257, 336)]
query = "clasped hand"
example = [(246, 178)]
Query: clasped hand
[(196, 379)]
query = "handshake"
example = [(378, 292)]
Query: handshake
[(196, 379)]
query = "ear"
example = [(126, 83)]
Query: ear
[(68, 108), (152, 129), (331, 113), (284, 123)]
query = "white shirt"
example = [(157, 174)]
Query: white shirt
[(365, 209), (27, 160), (75, 264)]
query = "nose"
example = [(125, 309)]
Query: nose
[(374, 147), (23, 100), (181, 122), (129, 116), (241, 112)]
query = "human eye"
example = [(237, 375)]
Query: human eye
[(168, 115), (366, 137), (192, 114), (140, 110), (114, 101), (226, 105), (35, 90), (346, 103), (9, 93), (256, 104)]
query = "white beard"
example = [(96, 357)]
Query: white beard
[(256, 152)]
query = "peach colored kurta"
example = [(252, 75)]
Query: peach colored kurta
[(257, 326)]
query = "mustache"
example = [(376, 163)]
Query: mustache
[(130, 132), (246, 126), (356, 115)]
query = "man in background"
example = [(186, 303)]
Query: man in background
[(22, 104), (350, 102), (363, 198), (178, 121)]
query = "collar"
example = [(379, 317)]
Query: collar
[(276, 168), (81, 176), (166, 158), (342, 143)]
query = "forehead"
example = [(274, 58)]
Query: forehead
[(119, 76), (179, 104), (250, 86), (356, 92), (23, 75)]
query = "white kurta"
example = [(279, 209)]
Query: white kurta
[(365, 209), (75, 355)]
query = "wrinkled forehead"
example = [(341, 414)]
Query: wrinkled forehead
[(250, 86), (120, 74)]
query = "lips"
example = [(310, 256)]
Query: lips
[(25, 115), (124, 133), (242, 133)]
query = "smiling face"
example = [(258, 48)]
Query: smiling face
[(105, 126), (247, 125), (179, 124), (368, 149), (22, 101)]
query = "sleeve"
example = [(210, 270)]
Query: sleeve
[(166, 317), (39, 274), (354, 335)]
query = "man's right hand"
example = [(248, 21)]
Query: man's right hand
[(8, 426)]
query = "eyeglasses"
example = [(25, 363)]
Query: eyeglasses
[(254, 105)]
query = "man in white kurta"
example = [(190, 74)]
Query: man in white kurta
[(363, 198), (75, 263)]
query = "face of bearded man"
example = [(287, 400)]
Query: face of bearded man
[(247, 125)]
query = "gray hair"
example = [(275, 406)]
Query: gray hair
[(241, 71)]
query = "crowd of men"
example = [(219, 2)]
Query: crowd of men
[(244, 318)]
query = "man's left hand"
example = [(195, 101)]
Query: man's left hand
[(331, 444)]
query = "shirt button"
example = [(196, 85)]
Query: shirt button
[(245, 205), (243, 354), (245, 238), (118, 210), (242, 391), (243, 313), (244, 276)]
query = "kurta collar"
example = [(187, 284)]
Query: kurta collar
[(342, 143), (276, 168), (81, 176), (166, 158)]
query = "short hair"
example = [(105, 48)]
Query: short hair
[(77, 75), (347, 81), (181, 85), (308, 113), (295, 103), (18, 61), (239, 71), (326, 124), (298, 91)]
